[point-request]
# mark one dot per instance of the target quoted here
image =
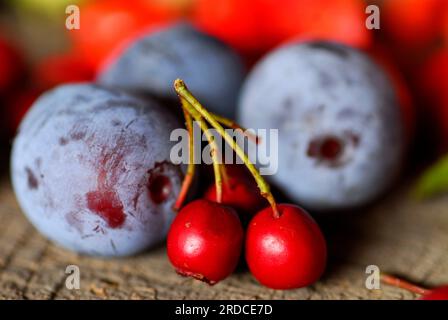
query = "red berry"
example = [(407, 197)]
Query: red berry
[(286, 252), (240, 194), (440, 293), (205, 241)]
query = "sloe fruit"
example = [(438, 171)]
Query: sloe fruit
[(91, 170), (340, 130)]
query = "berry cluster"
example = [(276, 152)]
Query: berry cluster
[(284, 247)]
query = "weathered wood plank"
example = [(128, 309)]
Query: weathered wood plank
[(398, 234)]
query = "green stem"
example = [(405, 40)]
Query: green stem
[(225, 176), (233, 125), (213, 146), (184, 93)]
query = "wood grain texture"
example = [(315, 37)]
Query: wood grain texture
[(397, 234)]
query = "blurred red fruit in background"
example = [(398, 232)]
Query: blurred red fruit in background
[(445, 25), (433, 87), (11, 66), (337, 20), (434, 75), (380, 54), (12, 72), (17, 105), (106, 24), (413, 24), (236, 22), (255, 26), (62, 68)]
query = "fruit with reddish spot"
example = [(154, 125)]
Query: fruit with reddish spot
[(339, 123), (91, 170), (205, 241), (285, 252)]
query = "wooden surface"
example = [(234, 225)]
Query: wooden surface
[(397, 234)]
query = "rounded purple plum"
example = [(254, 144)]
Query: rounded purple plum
[(91, 170), (150, 64)]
